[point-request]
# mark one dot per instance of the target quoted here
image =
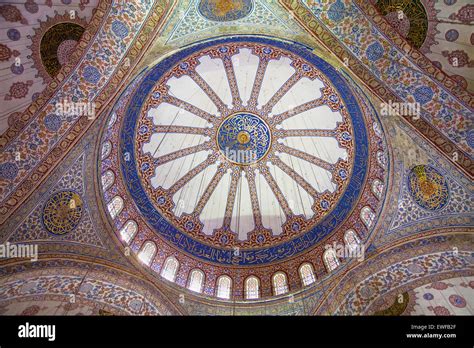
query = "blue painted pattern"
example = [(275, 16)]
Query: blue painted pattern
[(244, 138), (247, 257)]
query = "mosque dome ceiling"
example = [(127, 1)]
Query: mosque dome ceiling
[(243, 156)]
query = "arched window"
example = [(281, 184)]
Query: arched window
[(112, 120), (382, 159), (106, 149), (107, 179), (368, 216), (196, 280), (224, 285), (115, 206), (147, 253), (252, 288), (330, 259), (170, 268), (351, 239), (307, 274), (377, 130), (377, 188), (280, 285), (128, 231)]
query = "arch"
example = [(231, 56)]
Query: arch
[(196, 280), (115, 206), (280, 283), (252, 288), (147, 252), (382, 159), (170, 268), (224, 287), (368, 216), (106, 149), (307, 274), (112, 120), (377, 188), (330, 259), (351, 239), (128, 231), (108, 179)]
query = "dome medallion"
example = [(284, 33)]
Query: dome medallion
[(244, 154), (243, 138)]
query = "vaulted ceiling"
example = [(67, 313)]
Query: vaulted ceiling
[(174, 93)]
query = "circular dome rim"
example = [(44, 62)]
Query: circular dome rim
[(360, 158)]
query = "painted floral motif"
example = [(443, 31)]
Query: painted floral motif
[(18, 90), (12, 14), (440, 310)]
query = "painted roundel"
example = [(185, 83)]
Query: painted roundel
[(243, 138), (53, 43), (245, 143), (428, 187), (225, 10), (62, 212)]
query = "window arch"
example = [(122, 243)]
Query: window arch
[(307, 274), (280, 284), (170, 268), (351, 239), (377, 129), (147, 253), (382, 159), (330, 259), (115, 206), (377, 188), (108, 179), (368, 216), (128, 231), (112, 120), (196, 280), (106, 149), (224, 286), (252, 288)]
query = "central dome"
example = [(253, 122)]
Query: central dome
[(243, 144), (243, 151)]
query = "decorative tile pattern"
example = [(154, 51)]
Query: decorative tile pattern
[(141, 127), (252, 12)]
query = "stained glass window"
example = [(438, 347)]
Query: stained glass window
[(307, 274), (147, 253), (196, 280), (252, 285), (128, 231), (115, 206), (382, 159), (330, 259), (224, 284), (112, 120), (368, 216), (351, 239), (106, 149), (107, 179), (377, 130), (377, 188), (170, 269), (280, 285)]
